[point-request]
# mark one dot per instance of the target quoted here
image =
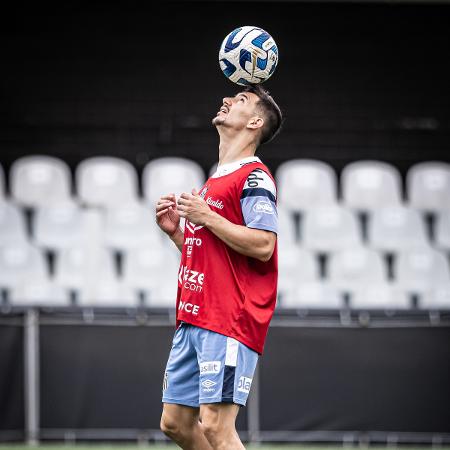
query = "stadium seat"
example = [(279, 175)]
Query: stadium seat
[(437, 297), (2, 185), (287, 234), (82, 267), (38, 292), (295, 265), (60, 226), (132, 226), (12, 225), (417, 270), (442, 230), (368, 185), (107, 182), (395, 229), (151, 268), (328, 229), (108, 293), (428, 186), (20, 263), (313, 295), (349, 269), (380, 296), (304, 184), (163, 295), (170, 175), (38, 181)]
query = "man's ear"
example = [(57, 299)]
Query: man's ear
[(255, 122)]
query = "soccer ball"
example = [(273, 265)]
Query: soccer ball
[(248, 55)]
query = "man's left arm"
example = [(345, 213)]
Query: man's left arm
[(251, 242)]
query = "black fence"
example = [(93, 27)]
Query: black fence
[(324, 377)]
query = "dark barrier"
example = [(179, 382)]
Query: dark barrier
[(103, 377), (329, 378), (12, 418), (366, 379)]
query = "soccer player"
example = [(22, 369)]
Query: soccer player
[(227, 281)]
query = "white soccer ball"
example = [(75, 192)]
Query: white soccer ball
[(248, 55)]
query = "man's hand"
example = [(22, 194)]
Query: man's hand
[(194, 208), (167, 216)]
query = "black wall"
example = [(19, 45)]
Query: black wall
[(327, 379), (355, 81)]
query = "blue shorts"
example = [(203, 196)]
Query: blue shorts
[(207, 367)]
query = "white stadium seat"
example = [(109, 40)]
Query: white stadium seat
[(148, 268), (368, 185), (170, 175), (295, 266), (380, 296), (287, 234), (61, 226), (132, 226), (437, 297), (349, 269), (395, 229), (2, 184), (328, 229), (12, 225), (20, 263), (106, 181), (428, 186), (108, 293), (39, 292), (163, 295), (442, 230), (314, 295), (304, 184), (83, 267), (417, 270), (40, 181)]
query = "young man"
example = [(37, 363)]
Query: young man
[(227, 279)]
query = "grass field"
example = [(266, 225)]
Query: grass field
[(167, 446)]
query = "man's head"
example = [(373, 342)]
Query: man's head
[(252, 110)]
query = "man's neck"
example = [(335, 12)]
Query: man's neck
[(234, 149)]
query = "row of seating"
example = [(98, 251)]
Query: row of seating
[(303, 184), (150, 273), (321, 229)]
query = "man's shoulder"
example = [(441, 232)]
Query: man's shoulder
[(259, 178)]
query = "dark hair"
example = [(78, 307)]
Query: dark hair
[(273, 118)]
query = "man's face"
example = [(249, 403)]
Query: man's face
[(236, 111)]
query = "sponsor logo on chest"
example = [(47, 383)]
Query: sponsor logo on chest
[(216, 203)]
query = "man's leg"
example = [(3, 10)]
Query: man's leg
[(218, 422), (181, 424)]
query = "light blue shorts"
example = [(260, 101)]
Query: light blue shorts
[(207, 367)]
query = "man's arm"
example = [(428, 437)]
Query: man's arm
[(168, 219), (251, 242)]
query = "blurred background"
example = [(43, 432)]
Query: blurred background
[(104, 107)]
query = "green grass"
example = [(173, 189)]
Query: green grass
[(169, 446)]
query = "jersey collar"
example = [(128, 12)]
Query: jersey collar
[(225, 169)]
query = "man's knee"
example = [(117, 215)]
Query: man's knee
[(218, 424), (169, 426)]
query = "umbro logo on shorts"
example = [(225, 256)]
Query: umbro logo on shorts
[(208, 383)]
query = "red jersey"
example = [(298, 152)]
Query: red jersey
[(220, 289)]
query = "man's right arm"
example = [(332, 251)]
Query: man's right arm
[(178, 238), (168, 219)]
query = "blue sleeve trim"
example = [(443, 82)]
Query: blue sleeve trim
[(265, 227), (258, 192)]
